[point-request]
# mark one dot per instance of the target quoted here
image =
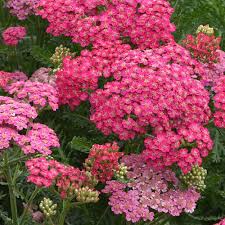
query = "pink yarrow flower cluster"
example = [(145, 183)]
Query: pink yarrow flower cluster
[(16, 114), (14, 117), (21, 8), (12, 35), (152, 88), (39, 94), (6, 78), (41, 171), (186, 148), (147, 191), (213, 71), (8, 136), (79, 77), (45, 173), (219, 101), (42, 75), (90, 22), (203, 47), (75, 80), (40, 139), (103, 161)]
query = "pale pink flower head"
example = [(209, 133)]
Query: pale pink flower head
[(16, 114), (147, 191), (43, 75), (40, 139), (21, 8), (40, 95), (12, 35), (7, 136)]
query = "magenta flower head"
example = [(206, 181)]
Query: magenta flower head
[(12, 35)]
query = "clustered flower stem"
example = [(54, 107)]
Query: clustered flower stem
[(29, 203), (11, 185), (66, 207)]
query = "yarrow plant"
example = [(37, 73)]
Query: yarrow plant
[(187, 147), (12, 35), (203, 47), (6, 78), (150, 91), (67, 179), (21, 8), (147, 94), (43, 75), (148, 190), (103, 161), (38, 94), (146, 22), (219, 115)]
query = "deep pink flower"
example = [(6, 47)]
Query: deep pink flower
[(151, 88), (168, 148), (219, 101), (103, 161), (12, 35), (146, 23)]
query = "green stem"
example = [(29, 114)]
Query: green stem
[(50, 221), (82, 117), (159, 220), (16, 58), (29, 203), (11, 186), (14, 161), (64, 212), (103, 215)]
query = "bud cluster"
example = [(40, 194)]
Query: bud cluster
[(60, 53), (195, 178), (48, 207), (121, 174), (205, 29), (92, 181), (86, 195)]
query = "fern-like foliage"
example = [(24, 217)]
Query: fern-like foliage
[(41, 55)]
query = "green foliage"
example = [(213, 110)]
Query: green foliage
[(81, 144), (189, 14), (218, 136), (41, 55)]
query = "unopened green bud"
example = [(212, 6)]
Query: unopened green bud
[(86, 195), (205, 29), (60, 53), (121, 173), (48, 207), (195, 178)]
